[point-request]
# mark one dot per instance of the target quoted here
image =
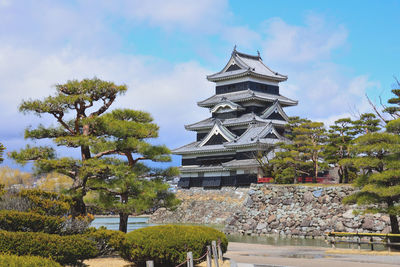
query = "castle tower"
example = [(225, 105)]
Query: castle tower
[(247, 116)]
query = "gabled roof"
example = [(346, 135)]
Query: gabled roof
[(194, 148), (241, 64), (233, 164), (257, 134), (226, 166), (242, 96), (218, 128), (224, 104), (245, 119), (275, 108)]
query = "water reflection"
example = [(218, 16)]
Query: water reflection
[(112, 223), (277, 240), (134, 223)]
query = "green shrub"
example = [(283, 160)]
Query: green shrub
[(47, 203), (11, 220), (26, 261), (108, 242), (167, 245), (63, 249)]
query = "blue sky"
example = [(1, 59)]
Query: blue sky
[(334, 52)]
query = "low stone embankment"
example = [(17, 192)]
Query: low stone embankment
[(203, 206), (290, 210), (301, 211)]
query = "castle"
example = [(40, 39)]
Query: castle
[(247, 117)]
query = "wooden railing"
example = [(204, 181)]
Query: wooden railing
[(362, 238), (214, 252)]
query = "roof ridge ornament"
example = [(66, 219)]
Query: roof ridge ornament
[(234, 50), (258, 53)]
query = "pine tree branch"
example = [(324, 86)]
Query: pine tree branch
[(104, 107), (375, 109), (107, 152), (104, 189), (59, 117)]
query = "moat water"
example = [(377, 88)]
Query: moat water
[(112, 223), (134, 223)]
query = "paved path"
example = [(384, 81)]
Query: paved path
[(258, 255)]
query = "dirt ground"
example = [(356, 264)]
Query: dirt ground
[(247, 255), (118, 262), (306, 256), (107, 262)]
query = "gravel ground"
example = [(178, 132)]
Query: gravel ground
[(259, 255), (267, 255)]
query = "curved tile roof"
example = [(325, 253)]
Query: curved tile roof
[(249, 65)]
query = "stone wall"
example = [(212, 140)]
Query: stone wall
[(291, 210), (203, 206), (296, 210)]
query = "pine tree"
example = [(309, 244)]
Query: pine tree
[(97, 134), (379, 178), (2, 148), (302, 155), (126, 132), (310, 138), (367, 123), (130, 191), (337, 148), (394, 109)]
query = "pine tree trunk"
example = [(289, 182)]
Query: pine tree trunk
[(394, 224), (315, 172), (123, 222), (346, 175), (341, 174), (79, 206)]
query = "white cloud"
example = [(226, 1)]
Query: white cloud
[(242, 36), (325, 90), (299, 44), (205, 15), (169, 92)]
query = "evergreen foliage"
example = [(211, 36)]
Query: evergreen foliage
[(11, 220), (66, 250), (394, 103), (100, 136), (340, 136), (302, 155), (2, 148), (26, 261), (126, 192), (108, 242), (167, 245), (379, 180)]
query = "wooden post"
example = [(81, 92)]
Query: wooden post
[(371, 240), (209, 262), (219, 250), (149, 264), (214, 252), (190, 259)]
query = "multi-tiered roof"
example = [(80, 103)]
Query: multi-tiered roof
[(246, 116)]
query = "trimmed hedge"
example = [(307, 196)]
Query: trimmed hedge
[(12, 220), (107, 242), (26, 261), (167, 245), (63, 249)]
